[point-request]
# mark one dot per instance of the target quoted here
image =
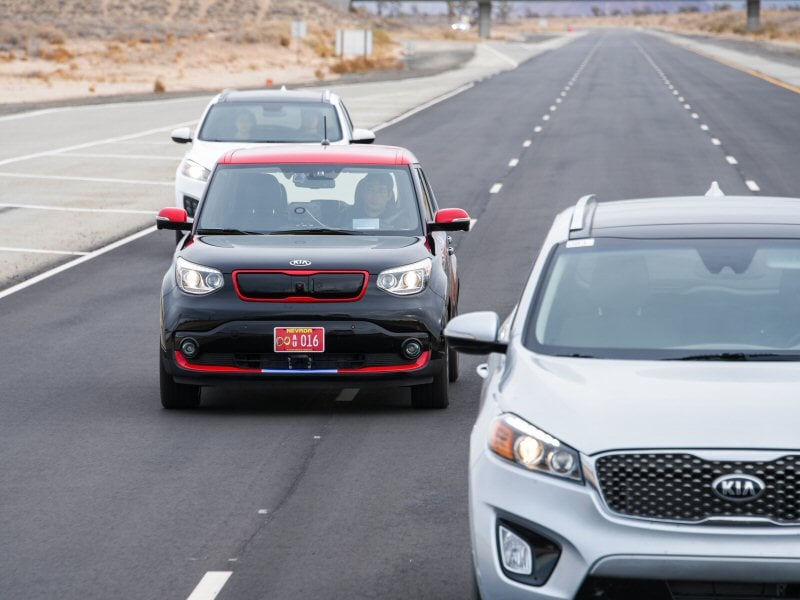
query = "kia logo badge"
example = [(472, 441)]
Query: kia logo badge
[(299, 262), (738, 487)]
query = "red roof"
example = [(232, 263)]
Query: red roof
[(355, 154)]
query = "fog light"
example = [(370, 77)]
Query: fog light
[(515, 552), (190, 348), (412, 348)]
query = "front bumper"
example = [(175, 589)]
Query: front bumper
[(363, 343), (596, 543)]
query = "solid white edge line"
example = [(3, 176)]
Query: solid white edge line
[(121, 211), (46, 111), (210, 585), (496, 188), (76, 262), (35, 251), (422, 107), (752, 185)]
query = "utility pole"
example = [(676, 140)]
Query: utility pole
[(485, 18), (753, 14)]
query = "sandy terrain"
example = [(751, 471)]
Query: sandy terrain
[(78, 49)]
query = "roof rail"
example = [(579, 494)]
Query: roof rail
[(714, 191), (224, 93), (579, 214), (326, 96)]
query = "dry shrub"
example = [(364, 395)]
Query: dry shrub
[(319, 73), (285, 41), (158, 86), (362, 64), (58, 54), (321, 46)]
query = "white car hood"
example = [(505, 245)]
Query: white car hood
[(207, 153), (596, 405)]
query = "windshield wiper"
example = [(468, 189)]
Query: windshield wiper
[(220, 231), (317, 231), (737, 356)]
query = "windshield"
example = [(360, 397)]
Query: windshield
[(725, 299), (252, 122), (309, 198)]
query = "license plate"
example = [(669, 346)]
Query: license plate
[(299, 339)]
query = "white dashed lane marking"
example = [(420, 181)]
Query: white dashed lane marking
[(496, 188), (752, 185), (731, 160), (513, 162), (210, 585), (526, 143)]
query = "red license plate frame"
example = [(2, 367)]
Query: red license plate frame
[(299, 339)]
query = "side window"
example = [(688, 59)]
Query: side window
[(427, 196)]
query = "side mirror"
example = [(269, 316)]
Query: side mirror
[(363, 136), (173, 218), (450, 219), (475, 333), (181, 135)]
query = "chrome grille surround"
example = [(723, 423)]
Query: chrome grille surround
[(676, 486)]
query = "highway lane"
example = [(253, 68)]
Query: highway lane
[(103, 494)]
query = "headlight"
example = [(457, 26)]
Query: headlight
[(193, 170), (407, 280), (531, 448), (196, 279)]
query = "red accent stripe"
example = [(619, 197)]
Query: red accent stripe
[(239, 293), (418, 364), (185, 364)]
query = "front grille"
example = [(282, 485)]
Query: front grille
[(310, 361), (645, 589), (300, 286), (678, 487)]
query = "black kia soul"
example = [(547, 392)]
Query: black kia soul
[(326, 266)]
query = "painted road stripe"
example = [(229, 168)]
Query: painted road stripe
[(537, 129), (210, 585), (715, 141), (88, 179), (526, 143), (121, 211), (513, 162), (76, 262), (508, 59), (752, 185), (496, 188), (704, 127), (34, 251), (422, 107), (731, 160), (121, 138), (132, 156)]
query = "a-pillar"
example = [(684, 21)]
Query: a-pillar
[(485, 18)]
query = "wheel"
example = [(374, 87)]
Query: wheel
[(176, 395), (452, 359), (434, 394)]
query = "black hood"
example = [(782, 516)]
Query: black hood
[(373, 253)]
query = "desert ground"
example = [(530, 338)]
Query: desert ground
[(52, 50)]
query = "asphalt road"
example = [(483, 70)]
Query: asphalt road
[(296, 495)]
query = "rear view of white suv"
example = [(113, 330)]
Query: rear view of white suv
[(236, 119)]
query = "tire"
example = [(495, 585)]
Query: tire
[(176, 396), (433, 395), (452, 370)]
